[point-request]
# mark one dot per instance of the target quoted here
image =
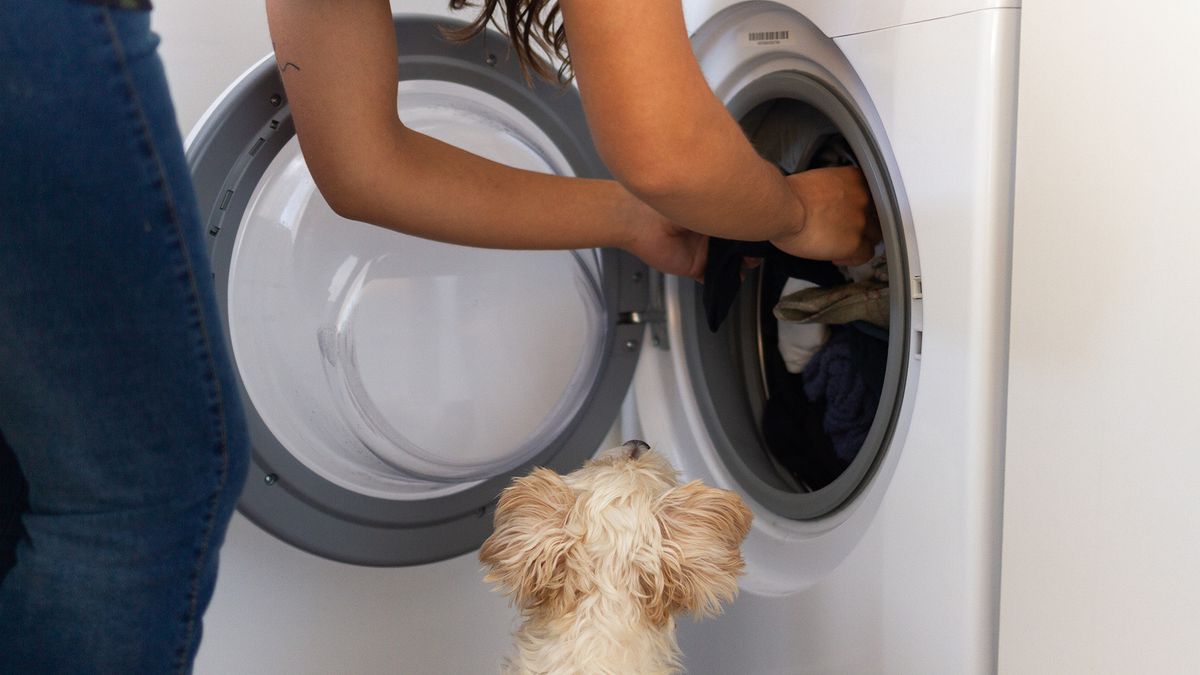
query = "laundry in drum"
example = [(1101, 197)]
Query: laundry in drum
[(829, 324), (858, 301), (824, 383), (846, 377), (799, 342), (794, 429), (817, 421), (794, 137), (723, 273)]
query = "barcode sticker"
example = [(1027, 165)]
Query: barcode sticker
[(769, 36)]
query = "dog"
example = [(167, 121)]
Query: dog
[(600, 561)]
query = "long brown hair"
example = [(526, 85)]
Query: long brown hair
[(534, 27)]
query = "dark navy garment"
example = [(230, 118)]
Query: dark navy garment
[(122, 443), (846, 377), (723, 272), (793, 426), (122, 4)]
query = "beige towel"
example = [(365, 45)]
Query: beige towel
[(860, 301)]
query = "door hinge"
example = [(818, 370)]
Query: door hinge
[(654, 315)]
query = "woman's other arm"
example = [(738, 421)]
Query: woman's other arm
[(667, 138), (338, 62)]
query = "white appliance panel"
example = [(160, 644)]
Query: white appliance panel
[(918, 590), (837, 18)]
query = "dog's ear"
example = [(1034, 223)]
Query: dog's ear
[(702, 531), (527, 553)]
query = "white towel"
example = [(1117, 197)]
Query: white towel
[(799, 342)]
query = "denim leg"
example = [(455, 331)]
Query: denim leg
[(117, 398)]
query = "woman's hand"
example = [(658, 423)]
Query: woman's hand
[(665, 246), (840, 221)]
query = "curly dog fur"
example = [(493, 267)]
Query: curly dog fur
[(600, 561)]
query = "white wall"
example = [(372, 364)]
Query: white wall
[(205, 47), (1101, 564)]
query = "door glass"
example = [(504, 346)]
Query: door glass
[(403, 368)]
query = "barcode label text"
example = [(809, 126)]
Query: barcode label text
[(770, 35)]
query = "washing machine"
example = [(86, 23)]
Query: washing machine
[(393, 385), (892, 566)]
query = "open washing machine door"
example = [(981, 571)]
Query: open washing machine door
[(393, 385), (718, 402)]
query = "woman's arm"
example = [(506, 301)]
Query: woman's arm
[(338, 61), (667, 138)]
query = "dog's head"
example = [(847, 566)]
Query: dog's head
[(620, 525)]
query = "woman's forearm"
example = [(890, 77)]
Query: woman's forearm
[(421, 186), (338, 62), (672, 143)]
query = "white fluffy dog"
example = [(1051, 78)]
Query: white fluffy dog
[(600, 561)]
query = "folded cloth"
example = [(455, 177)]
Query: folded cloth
[(847, 378), (860, 301), (799, 342), (723, 273)]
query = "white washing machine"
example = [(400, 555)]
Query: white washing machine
[(894, 567), (395, 385)]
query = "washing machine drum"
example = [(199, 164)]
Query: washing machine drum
[(394, 385), (801, 440)]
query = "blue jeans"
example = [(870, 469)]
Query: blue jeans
[(122, 443)]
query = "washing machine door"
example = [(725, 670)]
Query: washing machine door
[(810, 445), (393, 385)]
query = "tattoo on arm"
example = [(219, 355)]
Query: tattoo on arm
[(283, 68)]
